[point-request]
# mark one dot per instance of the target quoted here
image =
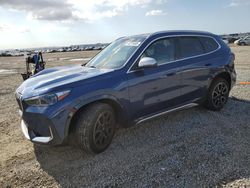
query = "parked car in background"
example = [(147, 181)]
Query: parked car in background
[(243, 41), (225, 40), (232, 39), (132, 80)]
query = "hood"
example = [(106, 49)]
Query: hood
[(52, 78)]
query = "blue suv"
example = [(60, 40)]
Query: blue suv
[(134, 79)]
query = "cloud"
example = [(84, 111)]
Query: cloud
[(41, 9), (159, 2), (5, 28), (13, 29), (97, 9), (68, 10), (60, 10), (24, 30), (235, 3), (155, 13)]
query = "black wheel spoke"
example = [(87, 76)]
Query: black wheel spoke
[(224, 91), (219, 94), (223, 99), (216, 93), (98, 139), (104, 130), (95, 127)]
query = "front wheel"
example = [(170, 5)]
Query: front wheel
[(95, 127), (217, 95)]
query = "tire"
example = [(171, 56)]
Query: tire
[(95, 128), (217, 94)]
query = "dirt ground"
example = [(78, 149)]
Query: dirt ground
[(189, 148)]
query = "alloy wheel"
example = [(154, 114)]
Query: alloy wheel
[(103, 130), (220, 94)]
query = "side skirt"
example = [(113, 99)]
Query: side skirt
[(166, 112)]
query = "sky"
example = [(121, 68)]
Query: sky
[(42, 23)]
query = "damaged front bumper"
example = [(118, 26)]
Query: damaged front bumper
[(42, 127), (30, 135)]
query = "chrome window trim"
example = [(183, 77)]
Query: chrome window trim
[(159, 38)]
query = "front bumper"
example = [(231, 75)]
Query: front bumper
[(34, 137), (39, 127)]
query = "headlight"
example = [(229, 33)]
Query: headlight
[(47, 99)]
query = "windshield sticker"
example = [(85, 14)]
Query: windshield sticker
[(131, 43)]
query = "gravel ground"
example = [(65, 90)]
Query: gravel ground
[(189, 148)]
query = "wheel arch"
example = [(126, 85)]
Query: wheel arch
[(119, 110), (225, 75)]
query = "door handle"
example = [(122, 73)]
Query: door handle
[(208, 64)]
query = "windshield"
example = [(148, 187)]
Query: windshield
[(117, 53)]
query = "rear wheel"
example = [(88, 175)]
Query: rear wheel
[(217, 95), (95, 128)]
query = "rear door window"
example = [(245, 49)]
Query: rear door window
[(209, 44), (190, 46)]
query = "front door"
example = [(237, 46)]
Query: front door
[(154, 89)]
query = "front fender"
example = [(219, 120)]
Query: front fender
[(86, 100)]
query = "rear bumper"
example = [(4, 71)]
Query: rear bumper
[(233, 78)]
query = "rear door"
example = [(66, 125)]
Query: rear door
[(154, 89), (196, 60)]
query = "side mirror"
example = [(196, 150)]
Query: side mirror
[(147, 62)]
